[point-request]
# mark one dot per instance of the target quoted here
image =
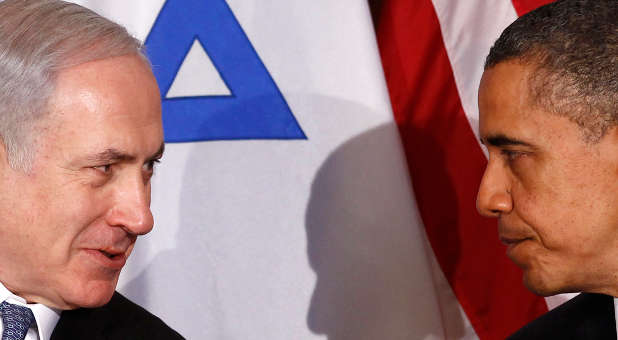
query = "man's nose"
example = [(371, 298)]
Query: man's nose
[(131, 209), (494, 196)]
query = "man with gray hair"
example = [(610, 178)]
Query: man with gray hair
[(548, 104), (80, 133)]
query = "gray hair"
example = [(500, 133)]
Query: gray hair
[(38, 39), (573, 47)]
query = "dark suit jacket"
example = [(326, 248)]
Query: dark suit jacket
[(118, 319), (586, 316)]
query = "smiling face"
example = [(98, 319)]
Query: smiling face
[(555, 196), (68, 225)]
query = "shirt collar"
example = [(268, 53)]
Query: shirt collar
[(46, 317)]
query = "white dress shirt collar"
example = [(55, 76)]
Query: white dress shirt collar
[(46, 317)]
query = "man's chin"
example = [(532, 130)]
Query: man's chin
[(543, 286), (94, 294), (537, 288)]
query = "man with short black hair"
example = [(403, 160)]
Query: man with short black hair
[(80, 132), (548, 104)]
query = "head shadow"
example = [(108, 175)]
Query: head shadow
[(373, 276)]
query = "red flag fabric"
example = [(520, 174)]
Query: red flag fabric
[(524, 6), (432, 61)]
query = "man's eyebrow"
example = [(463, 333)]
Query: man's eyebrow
[(502, 140), (114, 155), (110, 155)]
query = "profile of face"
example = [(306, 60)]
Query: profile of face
[(555, 195), (68, 225)]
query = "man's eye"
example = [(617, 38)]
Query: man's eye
[(512, 155), (103, 168), (150, 165)]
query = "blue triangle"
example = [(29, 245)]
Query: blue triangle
[(255, 110)]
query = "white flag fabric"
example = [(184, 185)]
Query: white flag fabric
[(283, 206)]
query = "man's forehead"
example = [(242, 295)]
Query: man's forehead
[(504, 92), (102, 86), (508, 78)]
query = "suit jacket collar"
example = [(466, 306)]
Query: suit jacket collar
[(587, 316)]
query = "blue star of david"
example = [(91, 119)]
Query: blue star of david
[(256, 109)]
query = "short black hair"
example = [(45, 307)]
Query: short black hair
[(573, 46)]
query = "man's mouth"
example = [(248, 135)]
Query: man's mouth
[(507, 241), (513, 247), (111, 254), (108, 257)]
